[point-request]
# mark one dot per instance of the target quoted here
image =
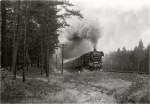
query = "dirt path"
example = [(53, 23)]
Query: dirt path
[(82, 93), (101, 87), (87, 88)]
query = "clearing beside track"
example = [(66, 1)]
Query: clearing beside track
[(87, 87)]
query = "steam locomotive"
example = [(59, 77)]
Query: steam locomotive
[(90, 61)]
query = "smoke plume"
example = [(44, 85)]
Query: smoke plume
[(82, 38)]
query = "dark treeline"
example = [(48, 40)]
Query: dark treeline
[(136, 60), (30, 32)]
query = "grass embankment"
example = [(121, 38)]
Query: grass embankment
[(124, 87), (74, 88), (32, 91), (138, 92)]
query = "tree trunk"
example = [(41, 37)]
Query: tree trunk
[(42, 55), (3, 35), (15, 40), (138, 70), (25, 35), (45, 59), (47, 64), (47, 42), (42, 48), (14, 59)]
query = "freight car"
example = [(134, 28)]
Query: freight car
[(90, 61)]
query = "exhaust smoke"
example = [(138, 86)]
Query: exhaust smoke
[(82, 38)]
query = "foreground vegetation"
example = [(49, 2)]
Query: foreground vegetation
[(33, 90), (86, 87)]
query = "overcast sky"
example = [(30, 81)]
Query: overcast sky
[(122, 22)]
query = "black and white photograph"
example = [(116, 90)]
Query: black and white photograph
[(75, 52)]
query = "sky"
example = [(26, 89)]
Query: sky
[(122, 22)]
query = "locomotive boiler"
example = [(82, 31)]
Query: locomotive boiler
[(90, 61)]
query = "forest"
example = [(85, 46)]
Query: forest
[(30, 31), (123, 60)]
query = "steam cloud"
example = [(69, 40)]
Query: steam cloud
[(82, 38)]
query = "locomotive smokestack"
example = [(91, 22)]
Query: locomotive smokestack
[(94, 48)]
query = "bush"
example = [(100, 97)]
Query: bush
[(16, 90), (137, 93)]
